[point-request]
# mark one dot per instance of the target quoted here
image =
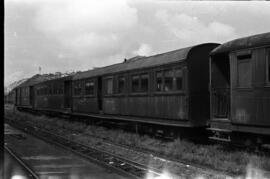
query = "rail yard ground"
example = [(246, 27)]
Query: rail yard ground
[(214, 159)]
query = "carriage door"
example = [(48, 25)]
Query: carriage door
[(67, 94), (32, 95), (220, 86), (99, 94)]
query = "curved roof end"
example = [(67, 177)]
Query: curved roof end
[(243, 43)]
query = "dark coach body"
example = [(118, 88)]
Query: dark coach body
[(240, 92), (169, 89)]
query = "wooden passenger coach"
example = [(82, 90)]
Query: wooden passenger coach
[(24, 93), (240, 87), (54, 95), (169, 89)]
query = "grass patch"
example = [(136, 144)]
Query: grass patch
[(210, 155)]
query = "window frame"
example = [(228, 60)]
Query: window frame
[(175, 79), (139, 74), (174, 85), (124, 85), (131, 82), (141, 77), (55, 88), (105, 86), (76, 84), (164, 79), (94, 87), (267, 72), (238, 61)]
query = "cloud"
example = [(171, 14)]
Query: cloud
[(61, 35), (13, 77), (190, 29), (144, 50), (87, 27)]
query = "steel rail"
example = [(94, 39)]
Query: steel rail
[(22, 163), (120, 164)]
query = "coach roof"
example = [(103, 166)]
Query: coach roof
[(243, 43), (141, 62), (38, 79)]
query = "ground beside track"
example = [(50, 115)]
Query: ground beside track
[(80, 131), (49, 161), (13, 168)]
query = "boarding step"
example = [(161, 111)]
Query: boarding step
[(219, 130), (219, 139)]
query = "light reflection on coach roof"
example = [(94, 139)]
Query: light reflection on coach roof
[(142, 62), (243, 43)]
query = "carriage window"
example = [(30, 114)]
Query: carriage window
[(89, 87), (168, 80), (109, 86), (50, 90), (58, 87), (135, 83), (44, 90), (179, 79), (121, 84), (268, 66), (244, 69), (61, 90), (144, 82), (159, 81), (55, 89), (78, 88)]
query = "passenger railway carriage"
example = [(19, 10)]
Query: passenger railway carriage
[(230, 93), (240, 89), (25, 96), (169, 89), (10, 97), (54, 95)]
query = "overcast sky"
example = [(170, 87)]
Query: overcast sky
[(72, 35)]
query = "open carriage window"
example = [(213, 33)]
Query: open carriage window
[(244, 70)]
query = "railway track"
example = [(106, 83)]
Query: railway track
[(30, 173), (121, 164), (155, 156), (136, 169), (227, 145)]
